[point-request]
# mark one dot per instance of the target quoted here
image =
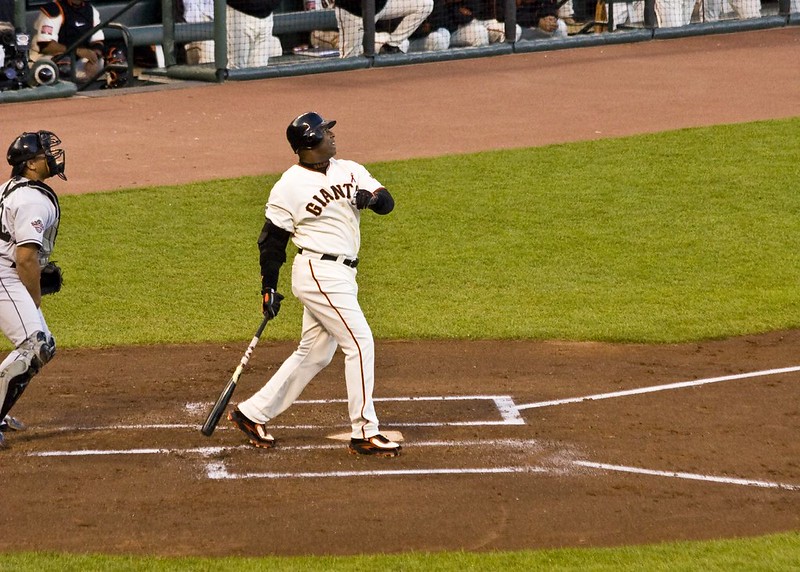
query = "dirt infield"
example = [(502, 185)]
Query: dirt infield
[(508, 445)]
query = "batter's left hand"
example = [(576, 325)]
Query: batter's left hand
[(363, 199), (272, 303)]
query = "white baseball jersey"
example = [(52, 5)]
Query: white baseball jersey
[(318, 210)]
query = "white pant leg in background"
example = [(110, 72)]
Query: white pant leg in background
[(438, 39), (250, 40), (197, 12), (351, 33), (384, 37), (497, 30), (412, 12), (470, 35), (746, 9), (351, 27), (712, 10), (630, 12), (673, 13)]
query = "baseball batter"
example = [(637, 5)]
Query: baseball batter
[(29, 218), (317, 204)]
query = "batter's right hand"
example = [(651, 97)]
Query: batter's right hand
[(363, 199), (272, 303)]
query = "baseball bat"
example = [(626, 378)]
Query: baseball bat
[(225, 397)]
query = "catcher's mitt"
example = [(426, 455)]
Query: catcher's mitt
[(51, 279)]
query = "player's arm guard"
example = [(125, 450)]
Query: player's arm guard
[(382, 202), (272, 248), (51, 279)]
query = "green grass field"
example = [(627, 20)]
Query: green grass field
[(671, 237)]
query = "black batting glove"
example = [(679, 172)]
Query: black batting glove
[(271, 304), (363, 199)]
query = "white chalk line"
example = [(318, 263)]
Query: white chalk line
[(212, 450), (655, 388), (218, 471), (200, 405), (509, 415), (689, 476)]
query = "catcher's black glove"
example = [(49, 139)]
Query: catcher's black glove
[(51, 279), (364, 199), (272, 303)]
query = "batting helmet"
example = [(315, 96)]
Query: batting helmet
[(307, 131), (30, 145)]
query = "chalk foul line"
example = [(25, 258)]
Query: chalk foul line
[(689, 476), (655, 388)]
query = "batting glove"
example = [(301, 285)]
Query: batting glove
[(272, 303), (363, 199)]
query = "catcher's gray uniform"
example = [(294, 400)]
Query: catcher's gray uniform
[(29, 218)]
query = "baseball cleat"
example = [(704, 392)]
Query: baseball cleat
[(376, 445), (2, 441), (256, 432), (12, 424)]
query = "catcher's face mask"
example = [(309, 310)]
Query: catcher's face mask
[(56, 157)]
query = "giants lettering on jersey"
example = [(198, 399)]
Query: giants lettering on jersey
[(324, 197)]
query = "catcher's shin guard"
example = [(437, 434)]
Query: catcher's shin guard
[(13, 381), (34, 352)]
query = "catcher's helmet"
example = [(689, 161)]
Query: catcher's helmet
[(29, 145), (307, 131)]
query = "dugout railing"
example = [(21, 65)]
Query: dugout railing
[(158, 26)]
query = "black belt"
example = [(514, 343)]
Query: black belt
[(351, 262)]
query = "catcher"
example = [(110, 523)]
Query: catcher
[(29, 217)]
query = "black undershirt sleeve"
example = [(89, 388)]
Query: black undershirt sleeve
[(384, 203), (272, 244)]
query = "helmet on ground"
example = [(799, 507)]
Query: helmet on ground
[(30, 145), (307, 131)]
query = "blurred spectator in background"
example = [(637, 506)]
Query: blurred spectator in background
[(465, 29), (249, 34), (631, 13), (351, 25), (674, 13), (713, 10), (59, 25), (432, 35), (539, 19), (197, 12), (328, 39), (491, 14), (250, 39)]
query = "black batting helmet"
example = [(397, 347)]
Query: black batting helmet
[(307, 131), (29, 145)]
